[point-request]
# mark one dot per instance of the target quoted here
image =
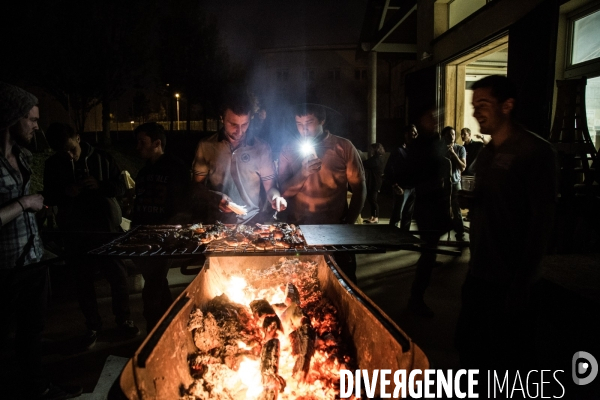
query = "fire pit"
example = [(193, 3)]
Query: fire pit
[(163, 367)]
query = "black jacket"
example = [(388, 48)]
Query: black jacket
[(160, 192), (92, 210)]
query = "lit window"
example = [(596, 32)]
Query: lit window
[(586, 38)]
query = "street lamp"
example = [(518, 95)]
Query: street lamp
[(177, 97), (132, 122)]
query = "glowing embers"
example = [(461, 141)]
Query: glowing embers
[(280, 338)]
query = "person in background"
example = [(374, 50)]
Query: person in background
[(374, 167), (23, 279), (512, 212), (458, 157), (403, 198), (472, 148), (428, 170), (315, 170), (160, 190), (84, 182), (236, 167)]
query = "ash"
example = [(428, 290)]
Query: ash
[(289, 349)]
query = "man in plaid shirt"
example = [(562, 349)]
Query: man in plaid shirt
[(23, 280)]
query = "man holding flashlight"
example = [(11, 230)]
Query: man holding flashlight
[(237, 168), (315, 172)]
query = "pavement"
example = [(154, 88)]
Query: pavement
[(568, 315)]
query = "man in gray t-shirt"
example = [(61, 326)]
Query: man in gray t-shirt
[(237, 167)]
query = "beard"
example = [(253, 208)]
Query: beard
[(19, 136)]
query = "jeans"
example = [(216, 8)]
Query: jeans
[(402, 209), (457, 221)]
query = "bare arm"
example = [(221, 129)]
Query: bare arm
[(33, 202)]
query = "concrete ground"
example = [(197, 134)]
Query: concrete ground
[(568, 316)]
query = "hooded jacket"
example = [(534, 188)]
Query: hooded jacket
[(92, 210)]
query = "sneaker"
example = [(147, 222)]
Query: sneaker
[(418, 307), (88, 341), (61, 392), (128, 329)]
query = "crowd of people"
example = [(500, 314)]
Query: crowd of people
[(511, 208)]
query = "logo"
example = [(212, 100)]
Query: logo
[(245, 157), (585, 368)]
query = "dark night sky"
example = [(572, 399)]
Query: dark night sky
[(246, 26)]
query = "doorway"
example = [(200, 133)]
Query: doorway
[(460, 74)]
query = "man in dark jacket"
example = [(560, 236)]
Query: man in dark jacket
[(84, 183), (428, 171), (160, 189)]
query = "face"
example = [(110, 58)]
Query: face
[(72, 149), (490, 113), (309, 126), (235, 126), (410, 135), (465, 136), (145, 147), (450, 136), (27, 126)]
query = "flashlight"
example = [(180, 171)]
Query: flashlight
[(307, 149)]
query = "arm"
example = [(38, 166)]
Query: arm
[(541, 196), (113, 185), (34, 202), (200, 172), (268, 179), (356, 179), (484, 138), (459, 159)]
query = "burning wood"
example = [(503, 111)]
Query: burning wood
[(283, 342)]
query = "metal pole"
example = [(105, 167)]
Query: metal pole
[(373, 97)]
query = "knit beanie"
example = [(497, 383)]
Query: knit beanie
[(15, 103)]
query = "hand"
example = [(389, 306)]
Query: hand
[(224, 204), (397, 189), (34, 202), (278, 203), (90, 183), (73, 190), (311, 166)]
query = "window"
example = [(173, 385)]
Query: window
[(586, 38), (582, 58), (360, 74), (334, 74), (283, 75)]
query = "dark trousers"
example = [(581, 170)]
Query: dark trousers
[(156, 295), (23, 301), (85, 269), (372, 199), (431, 216), (402, 209), (490, 337), (457, 221)]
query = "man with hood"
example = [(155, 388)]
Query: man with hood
[(84, 182)]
